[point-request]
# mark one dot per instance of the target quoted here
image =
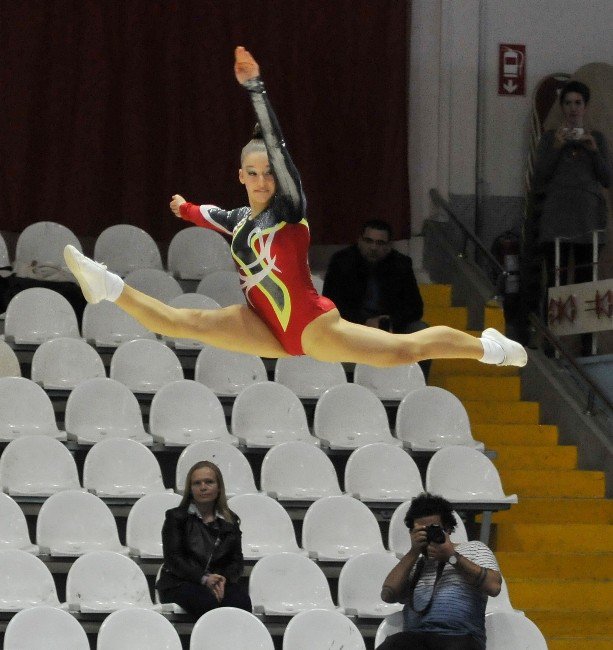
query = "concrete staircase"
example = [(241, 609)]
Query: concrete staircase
[(554, 547)]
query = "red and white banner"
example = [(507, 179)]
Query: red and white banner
[(511, 69)]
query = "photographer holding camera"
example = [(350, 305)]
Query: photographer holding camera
[(444, 586)]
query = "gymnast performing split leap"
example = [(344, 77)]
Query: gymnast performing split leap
[(270, 238)]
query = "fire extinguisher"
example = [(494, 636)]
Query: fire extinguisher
[(506, 249)]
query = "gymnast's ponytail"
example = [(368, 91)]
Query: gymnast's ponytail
[(256, 144)]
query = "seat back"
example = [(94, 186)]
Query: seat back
[(195, 252), (4, 254), (235, 468), (25, 581), (189, 301), (13, 526), (105, 325), (73, 523), (265, 525), (267, 413), (121, 468), (319, 629), (124, 248), (37, 466), (155, 283), (186, 411), (144, 366), (307, 377), (104, 581), (336, 528), (230, 628), (350, 416), (287, 583), (510, 630), (44, 627), (25, 410), (9, 363), (392, 624), (389, 383), (501, 602), (145, 520), (64, 362), (382, 472), (228, 373), (37, 315), (43, 242), (222, 286), (299, 471), (137, 628)]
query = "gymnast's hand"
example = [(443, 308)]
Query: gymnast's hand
[(176, 203), (245, 66)]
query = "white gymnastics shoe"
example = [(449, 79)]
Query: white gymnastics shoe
[(514, 353), (95, 281)]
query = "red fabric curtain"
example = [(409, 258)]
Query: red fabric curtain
[(111, 106)]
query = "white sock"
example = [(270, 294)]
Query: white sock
[(113, 285), (492, 352)]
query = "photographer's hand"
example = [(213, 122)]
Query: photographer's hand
[(560, 138), (588, 141), (440, 552)]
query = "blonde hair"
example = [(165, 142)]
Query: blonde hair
[(221, 503)]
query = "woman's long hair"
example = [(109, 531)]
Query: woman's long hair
[(221, 503)]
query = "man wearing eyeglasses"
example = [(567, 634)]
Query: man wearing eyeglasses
[(373, 284)]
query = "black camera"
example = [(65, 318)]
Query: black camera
[(435, 534)]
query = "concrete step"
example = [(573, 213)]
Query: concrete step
[(587, 642), (445, 367), (555, 566), (556, 510), (436, 295), (558, 624), (553, 483), (490, 412), (534, 457), (569, 595), (501, 389), (493, 316), (456, 317), (558, 538), (496, 435)]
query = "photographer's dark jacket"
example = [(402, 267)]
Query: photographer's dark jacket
[(347, 278), (189, 543)]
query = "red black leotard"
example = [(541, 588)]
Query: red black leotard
[(270, 251)]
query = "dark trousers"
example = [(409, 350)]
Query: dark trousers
[(429, 641), (198, 599)]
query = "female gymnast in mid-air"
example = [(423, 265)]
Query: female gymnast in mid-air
[(270, 238)]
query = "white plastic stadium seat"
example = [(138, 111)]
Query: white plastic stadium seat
[(501, 602), (359, 585), (25, 581), (227, 373), (13, 527), (349, 416), (307, 377), (136, 628), (430, 418), (122, 468), (73, 523), (99, 409), (25, 410), (336, 528), (266, 414), (43, 242), (382, 472), (9, 363), (265, 525), (230, 628), (388, 626), (104, 581), (194, 252), (320, 629), (155, 283), (389, 383), (105, 325), (145, 366), (171, 608), (45, 627), (461, 475), (63, 363), (186, 411), (235, 468), (298, 471), (4, 255), (399, 541), (124, 248), (223, 286), (288, 583), (37, 466), (511, 631), (37, 315), (189, 301), (144, 526)]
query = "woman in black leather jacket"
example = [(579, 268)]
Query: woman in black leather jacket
[(203, 559)]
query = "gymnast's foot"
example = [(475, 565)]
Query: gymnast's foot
[(95, 281), (514, 354)]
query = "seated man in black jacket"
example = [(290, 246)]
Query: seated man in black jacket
[(373, 284)]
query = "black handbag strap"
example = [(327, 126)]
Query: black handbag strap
[(415, 579)]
